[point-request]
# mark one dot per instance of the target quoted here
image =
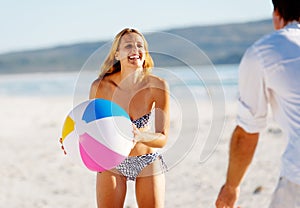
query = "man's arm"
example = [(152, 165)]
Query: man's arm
[(242, 148)]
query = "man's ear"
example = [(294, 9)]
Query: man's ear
[(278, 21)]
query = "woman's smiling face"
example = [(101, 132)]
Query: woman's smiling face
[(131, 51)]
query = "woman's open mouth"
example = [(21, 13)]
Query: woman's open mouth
[(134, 57)]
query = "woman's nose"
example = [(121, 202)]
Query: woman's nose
[(135, 48)]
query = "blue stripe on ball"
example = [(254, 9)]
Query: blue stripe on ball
[(101, 108)]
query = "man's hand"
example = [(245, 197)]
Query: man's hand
[(227, 197)]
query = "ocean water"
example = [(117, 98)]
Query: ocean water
[(188, 85), (197, 80)]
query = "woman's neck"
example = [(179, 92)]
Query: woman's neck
[(130, 78)]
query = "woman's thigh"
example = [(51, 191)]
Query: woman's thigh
[(150, 186), (110, 189)]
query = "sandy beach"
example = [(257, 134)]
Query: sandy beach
[(36, 174)]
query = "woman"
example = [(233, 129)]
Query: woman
[(126, 80)]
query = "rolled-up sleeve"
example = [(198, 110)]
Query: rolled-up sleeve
[(252, 102)]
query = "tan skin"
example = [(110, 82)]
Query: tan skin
[(137, 97), (242, 149)]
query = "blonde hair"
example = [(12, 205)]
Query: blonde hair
[(111, 65)]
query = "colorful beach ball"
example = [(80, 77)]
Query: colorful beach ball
[(97, 134)]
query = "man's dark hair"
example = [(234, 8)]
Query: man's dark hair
[(289, 10)]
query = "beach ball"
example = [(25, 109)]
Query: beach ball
[(97, 134)]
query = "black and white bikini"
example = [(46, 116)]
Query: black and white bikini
[(131, 167)]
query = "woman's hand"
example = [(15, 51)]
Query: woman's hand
[(62, 146), (137, 134), (144, 135)]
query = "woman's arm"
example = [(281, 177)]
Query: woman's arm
[(158, 139)]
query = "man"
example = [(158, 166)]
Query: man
[(269, 74)]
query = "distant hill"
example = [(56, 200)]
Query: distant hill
[(223, 44)]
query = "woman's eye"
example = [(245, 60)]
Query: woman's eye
[(128, 46)]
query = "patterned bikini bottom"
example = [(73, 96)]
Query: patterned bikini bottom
[(131, 167)]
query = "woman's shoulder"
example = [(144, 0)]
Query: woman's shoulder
[(157, 81), (102, 81), (98, 83), (102, 87)]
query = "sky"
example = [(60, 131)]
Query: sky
[(35, 24)]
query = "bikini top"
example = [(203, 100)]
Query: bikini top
[(142, 121)]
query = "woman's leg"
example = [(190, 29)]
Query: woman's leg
[(110, 189), (150, 186)]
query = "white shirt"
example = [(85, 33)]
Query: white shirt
[(269, 73)]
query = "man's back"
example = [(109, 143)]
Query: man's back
[(274, 65), (269, 73)]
